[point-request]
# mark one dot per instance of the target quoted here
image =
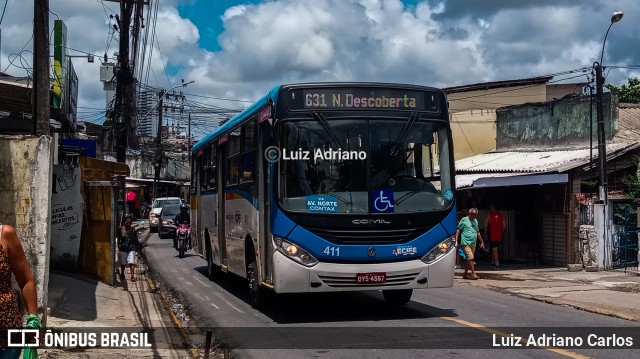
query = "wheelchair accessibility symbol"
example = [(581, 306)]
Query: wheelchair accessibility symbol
[(382, 201)]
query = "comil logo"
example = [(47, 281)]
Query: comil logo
[(272, 154)]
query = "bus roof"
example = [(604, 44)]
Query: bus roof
[(238, 119)]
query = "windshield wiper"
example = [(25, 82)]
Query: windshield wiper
[(344, 200), (411, 193), (403, 133), (396, 169), (348, 202), (325, 125), (402, 136)]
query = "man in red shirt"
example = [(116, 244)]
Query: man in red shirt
[(495, 225)]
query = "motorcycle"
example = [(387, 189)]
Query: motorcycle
[(183, 236)]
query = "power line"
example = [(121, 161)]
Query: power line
[(464, 135), (153, 34), (582, 69), (111, 30), (107, 6), (21, 50), (164, 66), (218, 98), (3, 10), (623, 67)]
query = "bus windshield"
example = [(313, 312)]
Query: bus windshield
[(364, 165)]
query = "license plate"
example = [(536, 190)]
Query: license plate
[(364, 278)]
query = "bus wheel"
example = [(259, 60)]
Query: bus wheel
[(258, 294), (397, 296)]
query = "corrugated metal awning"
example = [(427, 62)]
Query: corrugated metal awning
[(488, 180), (520, 168), (533, 161)]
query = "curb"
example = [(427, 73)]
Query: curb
[(609, 313), (184, 333), (152, 285)]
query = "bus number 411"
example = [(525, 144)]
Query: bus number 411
[(332, 251)]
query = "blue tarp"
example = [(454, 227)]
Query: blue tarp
[(89, 146)]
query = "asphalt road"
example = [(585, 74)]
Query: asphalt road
[(458, 322)]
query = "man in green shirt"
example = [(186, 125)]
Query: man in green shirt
[(467, 235)]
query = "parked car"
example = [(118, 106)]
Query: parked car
[(166, 227), (156, 209)]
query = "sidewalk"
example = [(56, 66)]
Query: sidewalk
[(78, 302), (611, 293)]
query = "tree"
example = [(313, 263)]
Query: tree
[(632, 183), (629, 93), (625, 213)]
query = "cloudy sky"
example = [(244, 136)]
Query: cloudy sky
[(238, 50)]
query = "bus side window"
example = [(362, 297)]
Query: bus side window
[(247, 167), (233, 160), (248, 152), (194, 174), (201, 163), (232, 171), (212, 170)]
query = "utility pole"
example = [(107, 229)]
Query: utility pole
[(602, 147), (601, 208), (159, 152), (189, 136), (122, 107), (40, 98), (591, 131)]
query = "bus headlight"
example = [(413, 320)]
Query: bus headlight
[(295, 252), (440, 250)]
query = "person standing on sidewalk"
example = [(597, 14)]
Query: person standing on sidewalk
[(495, 225), (12, 260), (467, 235), (127, 245)]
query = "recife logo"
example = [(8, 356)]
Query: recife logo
[(405, 250)]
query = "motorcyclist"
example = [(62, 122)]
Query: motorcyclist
[(182, 218)]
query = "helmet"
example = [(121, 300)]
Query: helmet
[(184, 208)]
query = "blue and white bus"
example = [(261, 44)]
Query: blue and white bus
[(330, 187)]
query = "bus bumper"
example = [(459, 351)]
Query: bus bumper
[(291, 277)]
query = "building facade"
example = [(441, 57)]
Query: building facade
[(543, 175)]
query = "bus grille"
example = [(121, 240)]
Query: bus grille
[(368, 236), (350, 281)]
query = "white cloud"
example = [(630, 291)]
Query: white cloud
[(174, 32), (439, 43), (234, 11)]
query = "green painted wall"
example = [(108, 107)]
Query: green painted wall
[(558, 124)]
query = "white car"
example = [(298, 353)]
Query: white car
[(156, 208)]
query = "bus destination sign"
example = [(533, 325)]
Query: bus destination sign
[(363, 98)]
